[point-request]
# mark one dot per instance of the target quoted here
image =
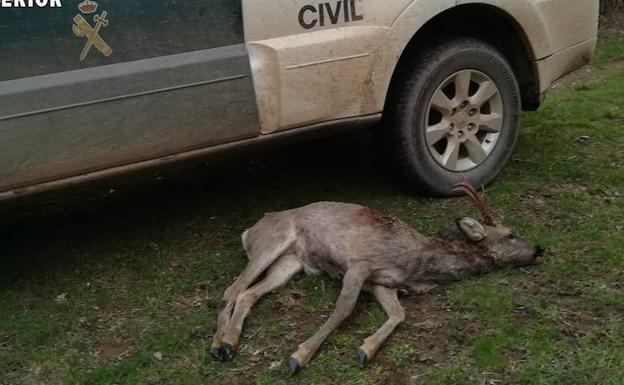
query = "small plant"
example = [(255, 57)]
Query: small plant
[(401, 354)]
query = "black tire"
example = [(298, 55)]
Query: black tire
[(404, 118)]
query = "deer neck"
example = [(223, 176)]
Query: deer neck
[(448, 260)]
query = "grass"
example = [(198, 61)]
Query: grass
[(118, 284), (610, 48)]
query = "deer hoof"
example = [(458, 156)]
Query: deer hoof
[(227, 352), (362, 357), (216, 354), (294, 365)]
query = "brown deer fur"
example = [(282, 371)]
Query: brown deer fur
[(367, 251)]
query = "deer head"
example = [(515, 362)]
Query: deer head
[(501, 243)]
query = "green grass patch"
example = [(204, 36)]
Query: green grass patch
[(609, 49)]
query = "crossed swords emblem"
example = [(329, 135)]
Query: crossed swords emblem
[(83, 28)]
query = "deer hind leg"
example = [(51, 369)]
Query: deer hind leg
[(257, 265), (277, 276), (351, 286), (224, 317), (277, 245), (389, 301)]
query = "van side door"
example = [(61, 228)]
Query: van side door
[(85, 89)]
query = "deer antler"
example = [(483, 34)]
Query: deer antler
[(466, 187)]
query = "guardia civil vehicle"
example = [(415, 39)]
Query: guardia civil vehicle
[(90, 89)]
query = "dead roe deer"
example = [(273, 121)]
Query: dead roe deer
[(368, 251)]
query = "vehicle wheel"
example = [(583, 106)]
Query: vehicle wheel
[(455, 111)]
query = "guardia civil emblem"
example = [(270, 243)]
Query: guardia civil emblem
[(82, 28)]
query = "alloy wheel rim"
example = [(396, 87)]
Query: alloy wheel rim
[(464, 120)]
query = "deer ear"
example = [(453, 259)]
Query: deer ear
[(471, 228)]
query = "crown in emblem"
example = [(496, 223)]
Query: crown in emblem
[(88, 6)]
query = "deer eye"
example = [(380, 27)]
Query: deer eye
[(511, 236)]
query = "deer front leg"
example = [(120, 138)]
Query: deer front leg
[(351, 286), (277, 276), (389, 301)]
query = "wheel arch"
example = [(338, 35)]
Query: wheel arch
[(490, 23)]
